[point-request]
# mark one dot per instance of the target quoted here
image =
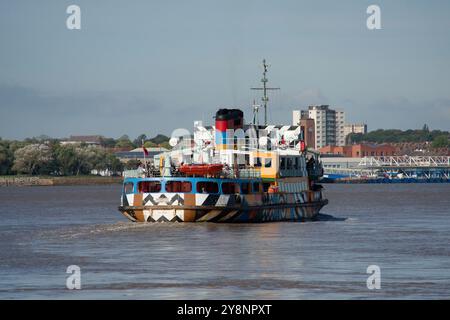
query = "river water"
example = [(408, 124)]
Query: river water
[(403, 228)]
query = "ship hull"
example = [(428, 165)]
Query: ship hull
[(224, 208)]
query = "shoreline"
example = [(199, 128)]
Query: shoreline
[(29, 181)]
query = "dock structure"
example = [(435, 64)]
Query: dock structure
[(417, 167), (432, 168), (406, 162)]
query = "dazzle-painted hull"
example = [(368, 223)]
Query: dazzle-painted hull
[(222, 208)]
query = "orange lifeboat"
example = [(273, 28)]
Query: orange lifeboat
[(201, 169)]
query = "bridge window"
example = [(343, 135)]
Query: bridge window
[(149, 186), (247, 159), (207, 187), (257, 162), (178, 186), (245, 188), (230, 188), (128, 187), (266, 186)]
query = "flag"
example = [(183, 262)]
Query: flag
[(145, 151)]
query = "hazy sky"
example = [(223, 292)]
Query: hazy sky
[(151, 66)]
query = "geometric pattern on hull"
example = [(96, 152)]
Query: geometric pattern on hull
[(179, 207)]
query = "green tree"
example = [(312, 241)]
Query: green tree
[(6, 157), (104, 160), (132, 164), (149, 144), (440, 142), (33, 159), (86, 158), (138, 141), (124, 142), (66, 159), (160, 138), (107, 142), (166, 145)]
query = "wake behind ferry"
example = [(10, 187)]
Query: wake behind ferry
[(228, 172)]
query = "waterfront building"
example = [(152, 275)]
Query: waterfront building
[(355, 128), (328, 124), (138, 154), (307, 127), (89, 140), (360, 150)]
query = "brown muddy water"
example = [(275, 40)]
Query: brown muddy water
[(404, 229)]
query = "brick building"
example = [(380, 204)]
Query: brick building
[(360, 150)]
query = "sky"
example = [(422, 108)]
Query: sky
[(153, 66)]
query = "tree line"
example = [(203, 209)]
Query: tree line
[(54, 158), (44, 155), (124, 141), (437, 138)]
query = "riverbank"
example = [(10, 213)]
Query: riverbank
[(25, 181)]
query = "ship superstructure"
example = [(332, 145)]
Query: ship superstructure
[(228, 172)]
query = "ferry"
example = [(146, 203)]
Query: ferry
[(228, 172)]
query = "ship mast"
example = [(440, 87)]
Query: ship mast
[(265, 98), (255, 113)]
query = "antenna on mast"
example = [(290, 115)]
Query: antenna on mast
[(265, 98), (255, 113)]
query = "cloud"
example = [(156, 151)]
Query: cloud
[(310, 96), (402, 113), (27, 112)]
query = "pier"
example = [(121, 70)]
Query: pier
[(407, 168)]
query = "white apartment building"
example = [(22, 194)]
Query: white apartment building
[(329, 124), (355, 128)]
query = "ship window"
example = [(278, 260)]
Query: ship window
[(268, 163), (283, 163), (257, 162), (128, 187), (207, 187), (266, 187), (289, 163), (256, 186), (245, 188), (230, 188), (149, 186), (296, 163), (178, 186)]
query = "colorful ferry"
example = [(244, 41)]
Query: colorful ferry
[(228, 172)]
